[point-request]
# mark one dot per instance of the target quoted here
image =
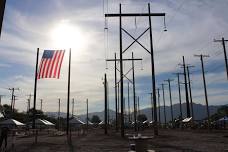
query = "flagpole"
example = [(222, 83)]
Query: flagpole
[(68, 94), (35, 88)]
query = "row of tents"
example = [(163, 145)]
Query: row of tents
[(12, 123), (40, 123)]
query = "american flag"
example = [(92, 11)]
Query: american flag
[(50, 64)]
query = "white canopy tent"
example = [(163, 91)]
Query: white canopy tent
[(11, 123), (187, 119), (76, 121)]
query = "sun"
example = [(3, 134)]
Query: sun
[(65, 35)]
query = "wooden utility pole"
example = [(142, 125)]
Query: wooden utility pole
[(105, 104), (1, 99), (190, 91), (205, 86), (133, 83), (29, 101), (163, 95), (41, 104), (186, 90), (116, 100), (151, 103), (72, 108), (128, 100), (179, 92), (170, 97), (134, 97), (14, 99), (159, 112), (59, 115), (138, 106), (2, 10), (12, 96), (225, 56), (87, 113), (121, 15)]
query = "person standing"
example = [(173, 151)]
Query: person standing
[(4, 135)]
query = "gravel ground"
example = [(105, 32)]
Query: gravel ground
[(95, 141)]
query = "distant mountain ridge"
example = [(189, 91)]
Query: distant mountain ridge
[(199, 112)]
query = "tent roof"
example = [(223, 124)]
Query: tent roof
[(223, 119), (11, 122), (1, 115), (146, 121), (90, 123), (101, 123), (43, 122), (48, 122), (187, 119), (76, 121)]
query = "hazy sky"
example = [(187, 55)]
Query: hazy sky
[(79, 25)]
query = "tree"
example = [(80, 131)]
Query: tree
[(95, 119), (142, 117)]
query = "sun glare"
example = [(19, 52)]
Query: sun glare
[(65, 35)]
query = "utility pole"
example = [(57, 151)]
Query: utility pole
[(134, 97), (41, 104), (186, 90), (72, 108), (190, 91), (225, 56), (106, 105), (1, 99), (138, 106), (179, 92), (133, 83), (159, 112), (14, 99), (152, 111), (59, 115), (170, 97), (2, 10), (120, 15), (116, 102), (205, 86), (87, 113), (128, 100), (163, 94), (29, 101), (12, 96)]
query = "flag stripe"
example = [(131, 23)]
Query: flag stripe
[(50, 64), (44, 68), (40, 68), (61, 60), (56, 65)]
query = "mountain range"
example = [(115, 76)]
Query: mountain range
[(199, 112)]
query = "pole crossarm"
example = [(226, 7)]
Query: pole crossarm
[(134, 14), (125, 75), (225, 54), (124, 59), (220, 40), (202, 55), (136, 40)]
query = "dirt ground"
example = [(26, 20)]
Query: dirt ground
[(95, 141)]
